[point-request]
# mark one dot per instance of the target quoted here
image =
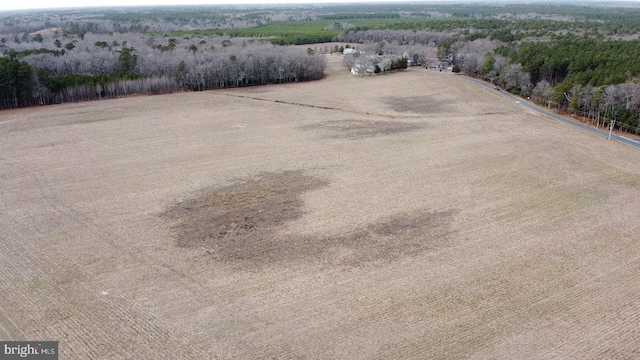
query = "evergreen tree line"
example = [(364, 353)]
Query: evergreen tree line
[(578, 60), (597, 79)]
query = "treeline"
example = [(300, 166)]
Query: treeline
[(250, 65), (358, 15), (102, 67), (397, 37), (578, 60), (16, 81), (597, 79), (278, 33), (133, 20), (22, 86), (499, 20), (600, 105), (353, 28), (317, 31)]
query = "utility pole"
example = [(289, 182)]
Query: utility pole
[(611, 125)]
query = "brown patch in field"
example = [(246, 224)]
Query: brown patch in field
[(239, 223), (235, 220), (356, 129), (419, 104), (394, 238)]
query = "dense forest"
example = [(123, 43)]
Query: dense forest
[(96, 66), (576, 58)]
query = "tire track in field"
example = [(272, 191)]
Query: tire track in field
[(323, 107), (48, 297)]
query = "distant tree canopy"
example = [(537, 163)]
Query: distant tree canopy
[(579, 60)]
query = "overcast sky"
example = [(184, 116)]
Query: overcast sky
[(48, 4)]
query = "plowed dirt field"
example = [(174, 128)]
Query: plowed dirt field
[(409, 215)]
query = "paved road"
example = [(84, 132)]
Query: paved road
[(622, 139)]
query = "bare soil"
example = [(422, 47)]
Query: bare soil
[(357, 129), (411, 215), (237, 221), (419, 104)]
